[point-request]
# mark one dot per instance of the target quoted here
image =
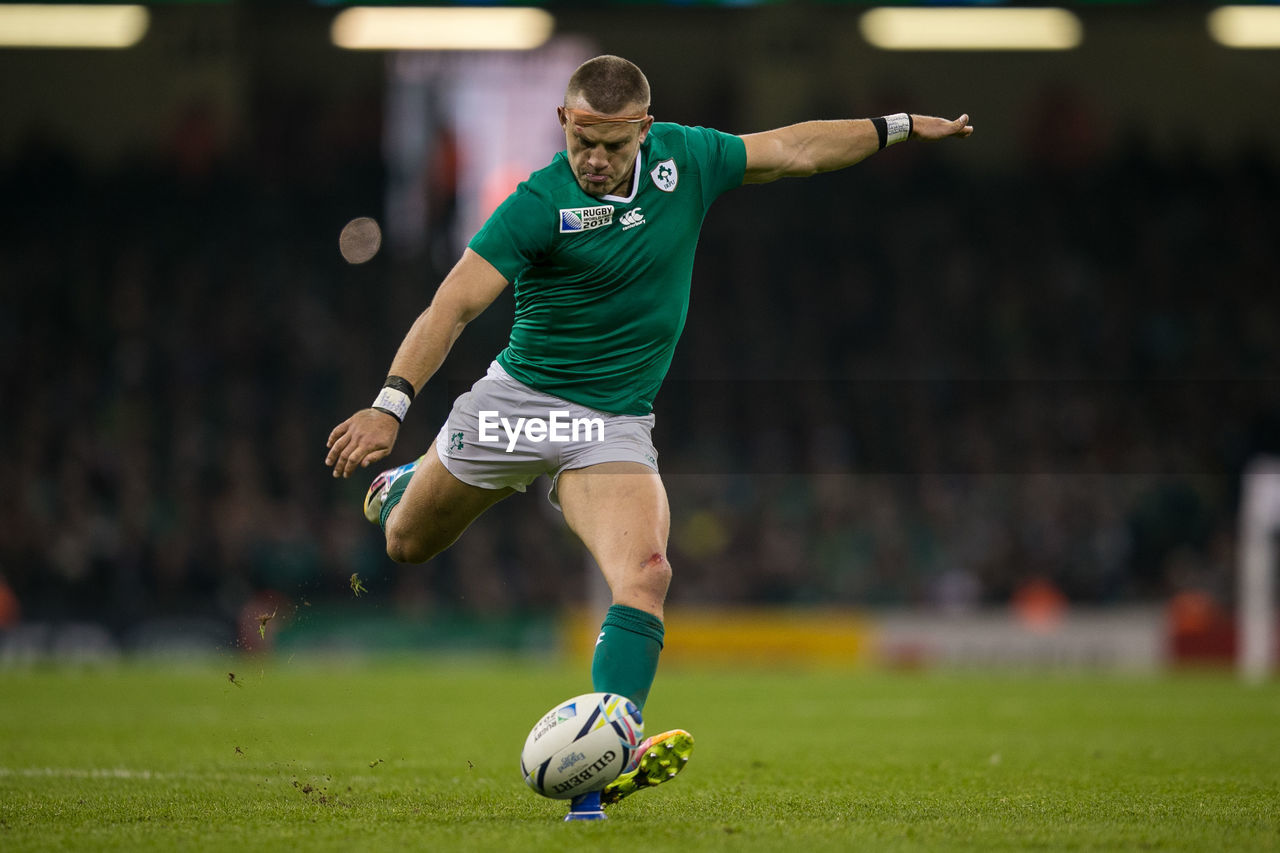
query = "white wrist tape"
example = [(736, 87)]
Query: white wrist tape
[(897, 127), (393, 402)]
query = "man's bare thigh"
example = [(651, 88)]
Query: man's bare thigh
[(434, 511)]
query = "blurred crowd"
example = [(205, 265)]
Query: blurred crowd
[(904, 384)]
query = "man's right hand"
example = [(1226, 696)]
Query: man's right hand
[(361, 440)]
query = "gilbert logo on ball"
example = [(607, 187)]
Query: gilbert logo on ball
[(581, 745), (360, 240)]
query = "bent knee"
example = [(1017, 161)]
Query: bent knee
[(656, 568), (651, 578), (403, 550), (408, 546)]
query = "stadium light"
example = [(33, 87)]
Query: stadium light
[(1245, 26), (32, 25), (367, 28), (971, 29)]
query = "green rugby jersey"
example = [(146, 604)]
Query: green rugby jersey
[(602, 283)]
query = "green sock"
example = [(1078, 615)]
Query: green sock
[(394, 494), (626, 656)]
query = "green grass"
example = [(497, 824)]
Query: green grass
[(424, 755)]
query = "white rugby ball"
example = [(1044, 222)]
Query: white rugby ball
[(581, 745)]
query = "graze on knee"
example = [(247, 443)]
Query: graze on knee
[(655, 559)]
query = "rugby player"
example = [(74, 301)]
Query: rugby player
[(599, 247)]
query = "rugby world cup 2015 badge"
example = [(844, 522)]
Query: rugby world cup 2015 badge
[(585, 218), (665, 177)]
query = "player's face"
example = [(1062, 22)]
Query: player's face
[(603, 156)]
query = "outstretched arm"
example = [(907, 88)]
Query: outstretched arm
[(469, 288), (804, 149)]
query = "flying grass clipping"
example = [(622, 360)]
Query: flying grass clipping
[(360, 240)]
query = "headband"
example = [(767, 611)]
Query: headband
[(586, 118)]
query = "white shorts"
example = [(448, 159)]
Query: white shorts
[(504, 434)]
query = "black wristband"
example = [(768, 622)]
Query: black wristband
[(399, 383), (882, 130), (395, 397)]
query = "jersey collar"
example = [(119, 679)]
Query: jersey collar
[(635, 181)]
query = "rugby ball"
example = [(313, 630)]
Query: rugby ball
[(581, 745)]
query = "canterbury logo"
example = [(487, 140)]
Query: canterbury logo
[(631, 219)]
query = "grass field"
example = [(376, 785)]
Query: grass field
[(424, 755)]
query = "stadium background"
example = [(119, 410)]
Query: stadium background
[(1017, 375)]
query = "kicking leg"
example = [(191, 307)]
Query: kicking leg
[(425, 508)]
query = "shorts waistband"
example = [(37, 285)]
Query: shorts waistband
[(496, 371)]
